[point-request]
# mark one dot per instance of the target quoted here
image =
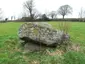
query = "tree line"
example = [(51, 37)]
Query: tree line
[(31, 13)]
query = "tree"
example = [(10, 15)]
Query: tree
[(11, 17), (36, 14), (44, 17), (29, 5), (6, 19), (53, 14), (82, 14), (65, 10), (0, 13)]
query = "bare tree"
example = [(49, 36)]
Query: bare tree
[(29, 5), (24, 14), (53, 14), (82, 14), (36, 14), (11, 17), (65, 10), (0, 13)]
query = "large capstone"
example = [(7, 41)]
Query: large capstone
[(41, 33)]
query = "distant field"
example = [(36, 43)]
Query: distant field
[(11, 54)]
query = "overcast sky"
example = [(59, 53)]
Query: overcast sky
[(15, 7)]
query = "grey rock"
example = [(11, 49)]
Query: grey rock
[(33, 47), (41, 33)]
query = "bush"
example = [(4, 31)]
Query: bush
[(44, 17)]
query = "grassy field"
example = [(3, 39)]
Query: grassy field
[(12, 53)]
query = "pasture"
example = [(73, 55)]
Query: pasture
[(12, 53)]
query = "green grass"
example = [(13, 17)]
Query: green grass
[(12, 53), (9, 28), (77, 31)]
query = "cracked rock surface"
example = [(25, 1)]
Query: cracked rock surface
[(41, 33)]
